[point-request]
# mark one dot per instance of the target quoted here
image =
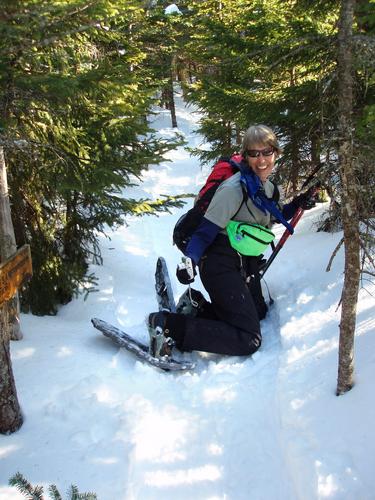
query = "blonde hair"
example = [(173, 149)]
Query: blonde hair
[(259, 134)]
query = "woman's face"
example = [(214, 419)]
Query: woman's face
[(261, 159)]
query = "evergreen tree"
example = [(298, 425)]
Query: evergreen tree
[(75, 93), (265, 65)]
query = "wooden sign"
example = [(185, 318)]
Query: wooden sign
[(13, 272)]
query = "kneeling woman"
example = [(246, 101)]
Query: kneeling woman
[(230, 322)]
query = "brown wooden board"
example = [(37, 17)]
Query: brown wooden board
[(13, 272)]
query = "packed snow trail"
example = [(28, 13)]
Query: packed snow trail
[(258, 428), (217, 435), (184, 436)]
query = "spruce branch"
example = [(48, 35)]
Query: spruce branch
[(77, 10), (325, 40), (76, 495), (36, 493), (73, 492), (53, 491), (26, 488)]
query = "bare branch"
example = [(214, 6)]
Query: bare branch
[(366, 253), (368, 272), (328, 268)]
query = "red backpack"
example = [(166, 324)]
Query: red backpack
[(189, 222)]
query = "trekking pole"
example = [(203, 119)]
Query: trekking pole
[(282, 240), (295, 219)]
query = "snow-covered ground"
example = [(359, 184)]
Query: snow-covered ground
[(261, 428)]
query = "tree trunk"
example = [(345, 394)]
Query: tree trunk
[(295, 161), (168, 98), (238, 136), (172, 106), (349, 197), (315, 150), (8, 247), (10, 411)]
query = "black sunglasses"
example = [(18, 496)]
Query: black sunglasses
[(255, 153)]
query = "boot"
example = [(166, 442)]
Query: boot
[(160, 344), (190, 302)]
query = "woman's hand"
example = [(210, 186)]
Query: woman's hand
[(186, 271), (306, 200)]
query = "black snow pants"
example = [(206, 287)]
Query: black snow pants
[(229, 324)]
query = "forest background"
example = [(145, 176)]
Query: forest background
[(79, 78)]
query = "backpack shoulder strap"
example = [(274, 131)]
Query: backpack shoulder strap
[(244, 198), (276, 193), (275, 197)]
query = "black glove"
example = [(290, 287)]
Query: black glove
[(306, 200), (186, 271)]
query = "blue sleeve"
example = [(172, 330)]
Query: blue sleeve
[(202, 239), (289, 210)]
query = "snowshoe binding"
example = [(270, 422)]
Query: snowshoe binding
[(160, 344)]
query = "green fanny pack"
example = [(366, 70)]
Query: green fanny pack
[(249, 239)]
